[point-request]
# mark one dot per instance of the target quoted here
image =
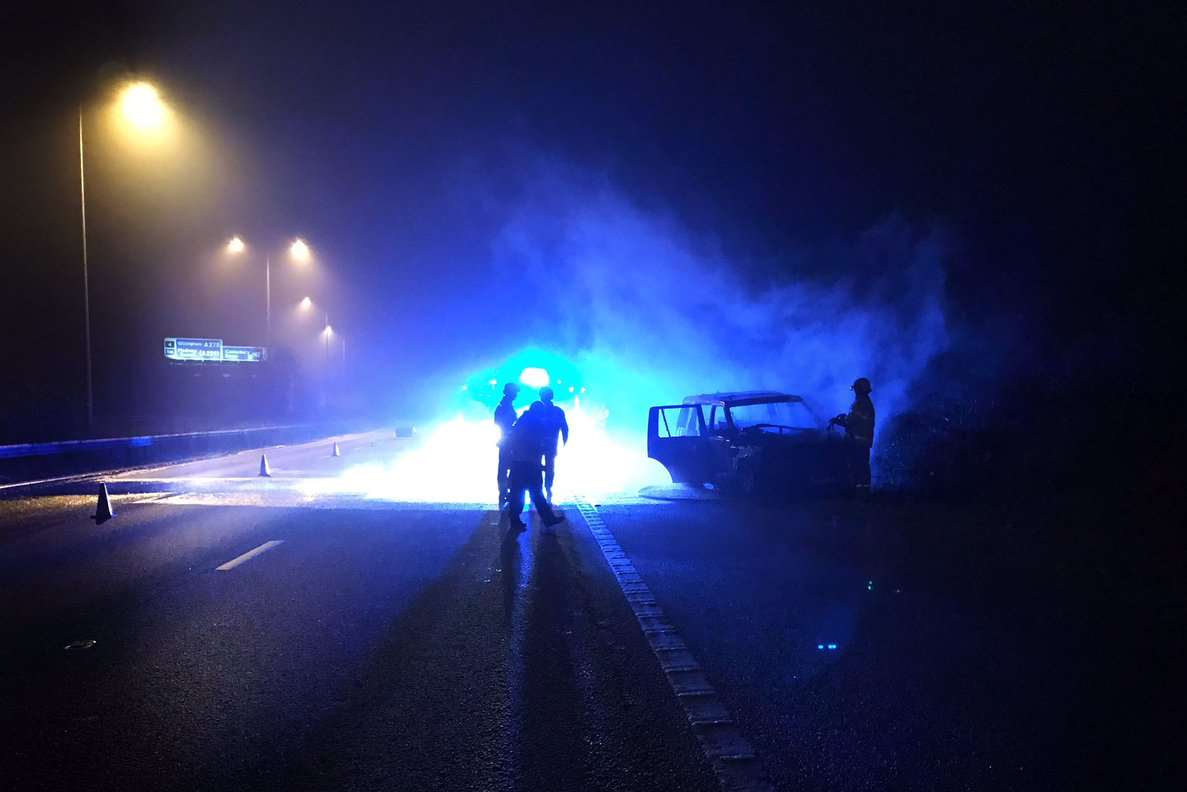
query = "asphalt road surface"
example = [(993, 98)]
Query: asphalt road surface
[(225, 631)]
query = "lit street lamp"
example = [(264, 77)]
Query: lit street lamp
[(327, 334), (298, 252), (144, 112), (142, 106)]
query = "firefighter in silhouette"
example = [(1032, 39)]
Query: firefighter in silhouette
[(505, 419), (554, 425), (527, 446), (859, 433)]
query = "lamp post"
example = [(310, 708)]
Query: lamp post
[(329, 331), (325, 376), (298, 253), (86, 287), (144, 111)]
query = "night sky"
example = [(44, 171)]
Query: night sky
[(403, 142)]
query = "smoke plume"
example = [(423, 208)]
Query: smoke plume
[(652, 311)]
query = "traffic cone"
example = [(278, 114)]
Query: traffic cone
[(336, 452), (264, 471), (103, 511)]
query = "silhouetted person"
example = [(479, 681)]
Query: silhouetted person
[(527, 445), (859, 433), (554, 424), (505, 419)]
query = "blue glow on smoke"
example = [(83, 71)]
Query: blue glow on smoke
[(625, 308)]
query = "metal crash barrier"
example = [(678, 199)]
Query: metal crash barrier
[(24, 462)]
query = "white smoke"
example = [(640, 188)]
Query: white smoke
[(653, 312)]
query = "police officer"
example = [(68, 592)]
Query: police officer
[(527, 445), (505, 419), (859, 432), (554, 423)]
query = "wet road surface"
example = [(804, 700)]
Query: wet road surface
[(248, 634)]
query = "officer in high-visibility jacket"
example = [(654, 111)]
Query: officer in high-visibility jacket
[(859, 433)]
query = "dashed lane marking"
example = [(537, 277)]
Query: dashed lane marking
[(729, 753), (249, 555)]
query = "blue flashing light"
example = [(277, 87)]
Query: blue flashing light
[(532, 367), (535, 377)]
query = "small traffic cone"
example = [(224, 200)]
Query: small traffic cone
[(336, 452), (103, 511), (264, 470)]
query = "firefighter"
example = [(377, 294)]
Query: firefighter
[(505, 419), (554, 424), (527, 440), (859, 433)]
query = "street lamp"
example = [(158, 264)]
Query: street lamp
[(325, 375), (305, 304), (144, 111), (298, 252), (142, 106)]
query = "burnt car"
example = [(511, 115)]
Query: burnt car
[(748, 443)]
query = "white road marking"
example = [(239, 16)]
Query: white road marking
[(730, 754), (249, 555)]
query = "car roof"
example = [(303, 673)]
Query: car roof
[(731, 398)]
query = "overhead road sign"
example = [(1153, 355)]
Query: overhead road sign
[(244, 354), (212, 350), (199, 349)]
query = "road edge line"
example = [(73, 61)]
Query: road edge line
[(730, 754)]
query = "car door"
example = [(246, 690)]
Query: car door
[(677, 439)]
